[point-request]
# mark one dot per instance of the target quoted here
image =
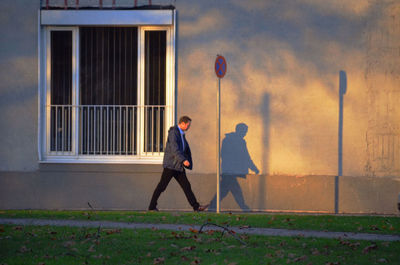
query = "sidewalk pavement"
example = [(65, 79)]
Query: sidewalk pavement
[(182, 227)]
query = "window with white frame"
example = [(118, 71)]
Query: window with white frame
[(107, 92)]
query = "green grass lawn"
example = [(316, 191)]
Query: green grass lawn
[(70, 245), (362, 224)]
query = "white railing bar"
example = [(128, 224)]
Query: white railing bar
[(93, 123), (165, 129), (94, 129), (113, 134), (80, 148), (99, 140), (63, 130), (107, 129), (144, 130), (120, 130), (88, 132), (91, 133), (133, 130), (98, 147), (56, 131), (126, 130), (69, 129), (152, 130), (158, 130)]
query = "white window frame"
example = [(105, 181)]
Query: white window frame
[(161, 22), (169, 79)]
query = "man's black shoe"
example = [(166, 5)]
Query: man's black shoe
[(202, 208), (153, 210)]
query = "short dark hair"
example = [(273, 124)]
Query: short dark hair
[(184, 119)]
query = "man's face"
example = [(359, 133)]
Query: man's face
[(184, 126)]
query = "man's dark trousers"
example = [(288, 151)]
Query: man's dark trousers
[(183, 182)]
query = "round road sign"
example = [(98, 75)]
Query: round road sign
[(220, 66)]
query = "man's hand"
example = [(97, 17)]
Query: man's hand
[(186, 163)]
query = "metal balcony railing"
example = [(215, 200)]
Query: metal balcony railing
[(106, 130)]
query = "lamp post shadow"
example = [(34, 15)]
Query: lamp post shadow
[(236, 162), (342, 92)]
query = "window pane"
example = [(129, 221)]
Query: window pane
[(61, 90), (155, 90), (155, 67), (108, 66), (108, 82)]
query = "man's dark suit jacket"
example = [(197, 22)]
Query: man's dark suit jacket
[(174, 154)]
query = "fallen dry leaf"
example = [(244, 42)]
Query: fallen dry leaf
[(210, 232), (195, 261), (91, 249), (69, 244), (369, 248), (300, 258), (24, 249), (193, 230), (190, 248), (112, 231), (159, 260)]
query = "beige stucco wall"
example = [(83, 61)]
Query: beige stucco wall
[(18, 86), (284, 59)]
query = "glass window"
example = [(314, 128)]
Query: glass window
[(110, 112)]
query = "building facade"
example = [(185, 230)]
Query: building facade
[(309, 105)]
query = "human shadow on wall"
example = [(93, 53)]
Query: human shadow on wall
[(235, 164)]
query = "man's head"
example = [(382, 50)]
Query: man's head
[(241, 129), (184, 123)]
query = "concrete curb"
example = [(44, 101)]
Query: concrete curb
[(176, 227)]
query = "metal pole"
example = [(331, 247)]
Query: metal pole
[(218, 141)]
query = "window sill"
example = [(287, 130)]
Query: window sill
[(104, 160)]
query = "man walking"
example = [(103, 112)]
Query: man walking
[(177, 157)]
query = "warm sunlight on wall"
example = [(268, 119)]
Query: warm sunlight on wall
[(283, 83)]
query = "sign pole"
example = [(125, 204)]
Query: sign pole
[(220, 71), (218, 142)]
